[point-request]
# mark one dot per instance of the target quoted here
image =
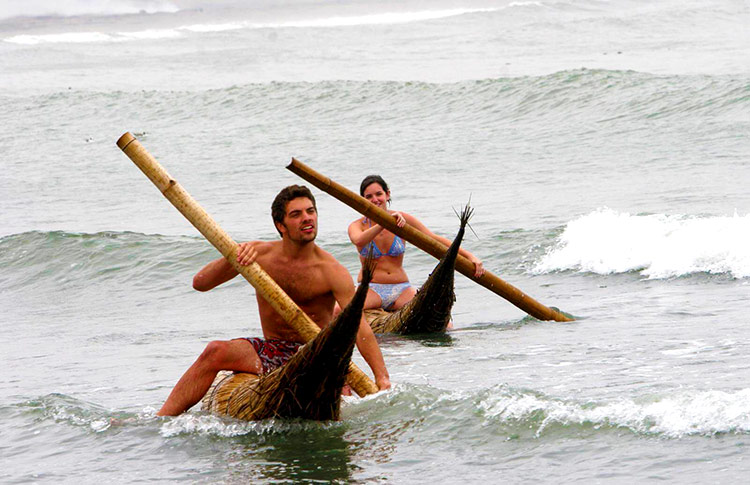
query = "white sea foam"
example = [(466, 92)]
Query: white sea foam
[(92, 37), (659, 245), (207, 424), (206, 28), (687, 349), (69, 8), (385, 18), (211, 424), (703, 413), (148, 34), (328, 22), (70, 38), (526, 4)]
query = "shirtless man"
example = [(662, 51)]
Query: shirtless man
[(309, 275)]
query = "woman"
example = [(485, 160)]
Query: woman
[(390, 288)]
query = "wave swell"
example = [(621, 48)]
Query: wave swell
[(78, 260)]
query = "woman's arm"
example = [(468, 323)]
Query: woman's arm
[(359, 236)]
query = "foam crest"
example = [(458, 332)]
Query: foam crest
[(526, 4), (93, 37), (387, 18), (214, 425), (81, 414), (703, 413), (203, 424), (68, 37), (70, 8), (659, 246)]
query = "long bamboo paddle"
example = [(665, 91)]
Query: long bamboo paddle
[(426, 243), (254, 274)]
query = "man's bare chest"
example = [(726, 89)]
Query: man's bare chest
[(303, 283)]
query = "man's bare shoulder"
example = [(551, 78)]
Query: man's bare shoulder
[(264, 247), (324, 257), (331, 267)]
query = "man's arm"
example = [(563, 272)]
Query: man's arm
[(343, 291), (220, 271)]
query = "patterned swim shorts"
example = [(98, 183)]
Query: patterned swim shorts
[(273, 353)]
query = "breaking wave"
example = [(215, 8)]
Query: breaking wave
[(431, 413), (657, 245)]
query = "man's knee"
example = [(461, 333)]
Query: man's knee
[(214, 354), (236, 355)]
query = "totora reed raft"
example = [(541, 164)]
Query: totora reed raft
[(308, 386), (430, 309)]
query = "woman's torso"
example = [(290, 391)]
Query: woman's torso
[(388, 250)]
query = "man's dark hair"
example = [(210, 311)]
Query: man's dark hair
[(369, 180), (278, 207)]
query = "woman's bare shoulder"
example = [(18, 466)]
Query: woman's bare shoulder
[(411, 219), (357, 222)]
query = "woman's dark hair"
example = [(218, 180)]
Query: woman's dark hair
[(287, 194), (372, 179)]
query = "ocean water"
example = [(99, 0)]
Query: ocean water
[(603, 144)]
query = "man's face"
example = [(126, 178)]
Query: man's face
[(300, 220)]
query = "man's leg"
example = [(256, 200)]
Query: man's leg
[(235, 355)]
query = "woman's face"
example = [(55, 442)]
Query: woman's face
[(375, 194)]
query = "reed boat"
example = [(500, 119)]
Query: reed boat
[(430, 309), (308, 386)]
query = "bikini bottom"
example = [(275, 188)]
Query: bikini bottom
[(389, 293)]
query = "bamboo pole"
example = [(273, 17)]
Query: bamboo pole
[(426, 243), (254, 274)]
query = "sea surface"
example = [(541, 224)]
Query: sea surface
[(605, 148)]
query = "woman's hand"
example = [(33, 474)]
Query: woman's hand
[(246, 254), (400, 220), (478, 266)]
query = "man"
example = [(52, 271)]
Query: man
[(308, 274)]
